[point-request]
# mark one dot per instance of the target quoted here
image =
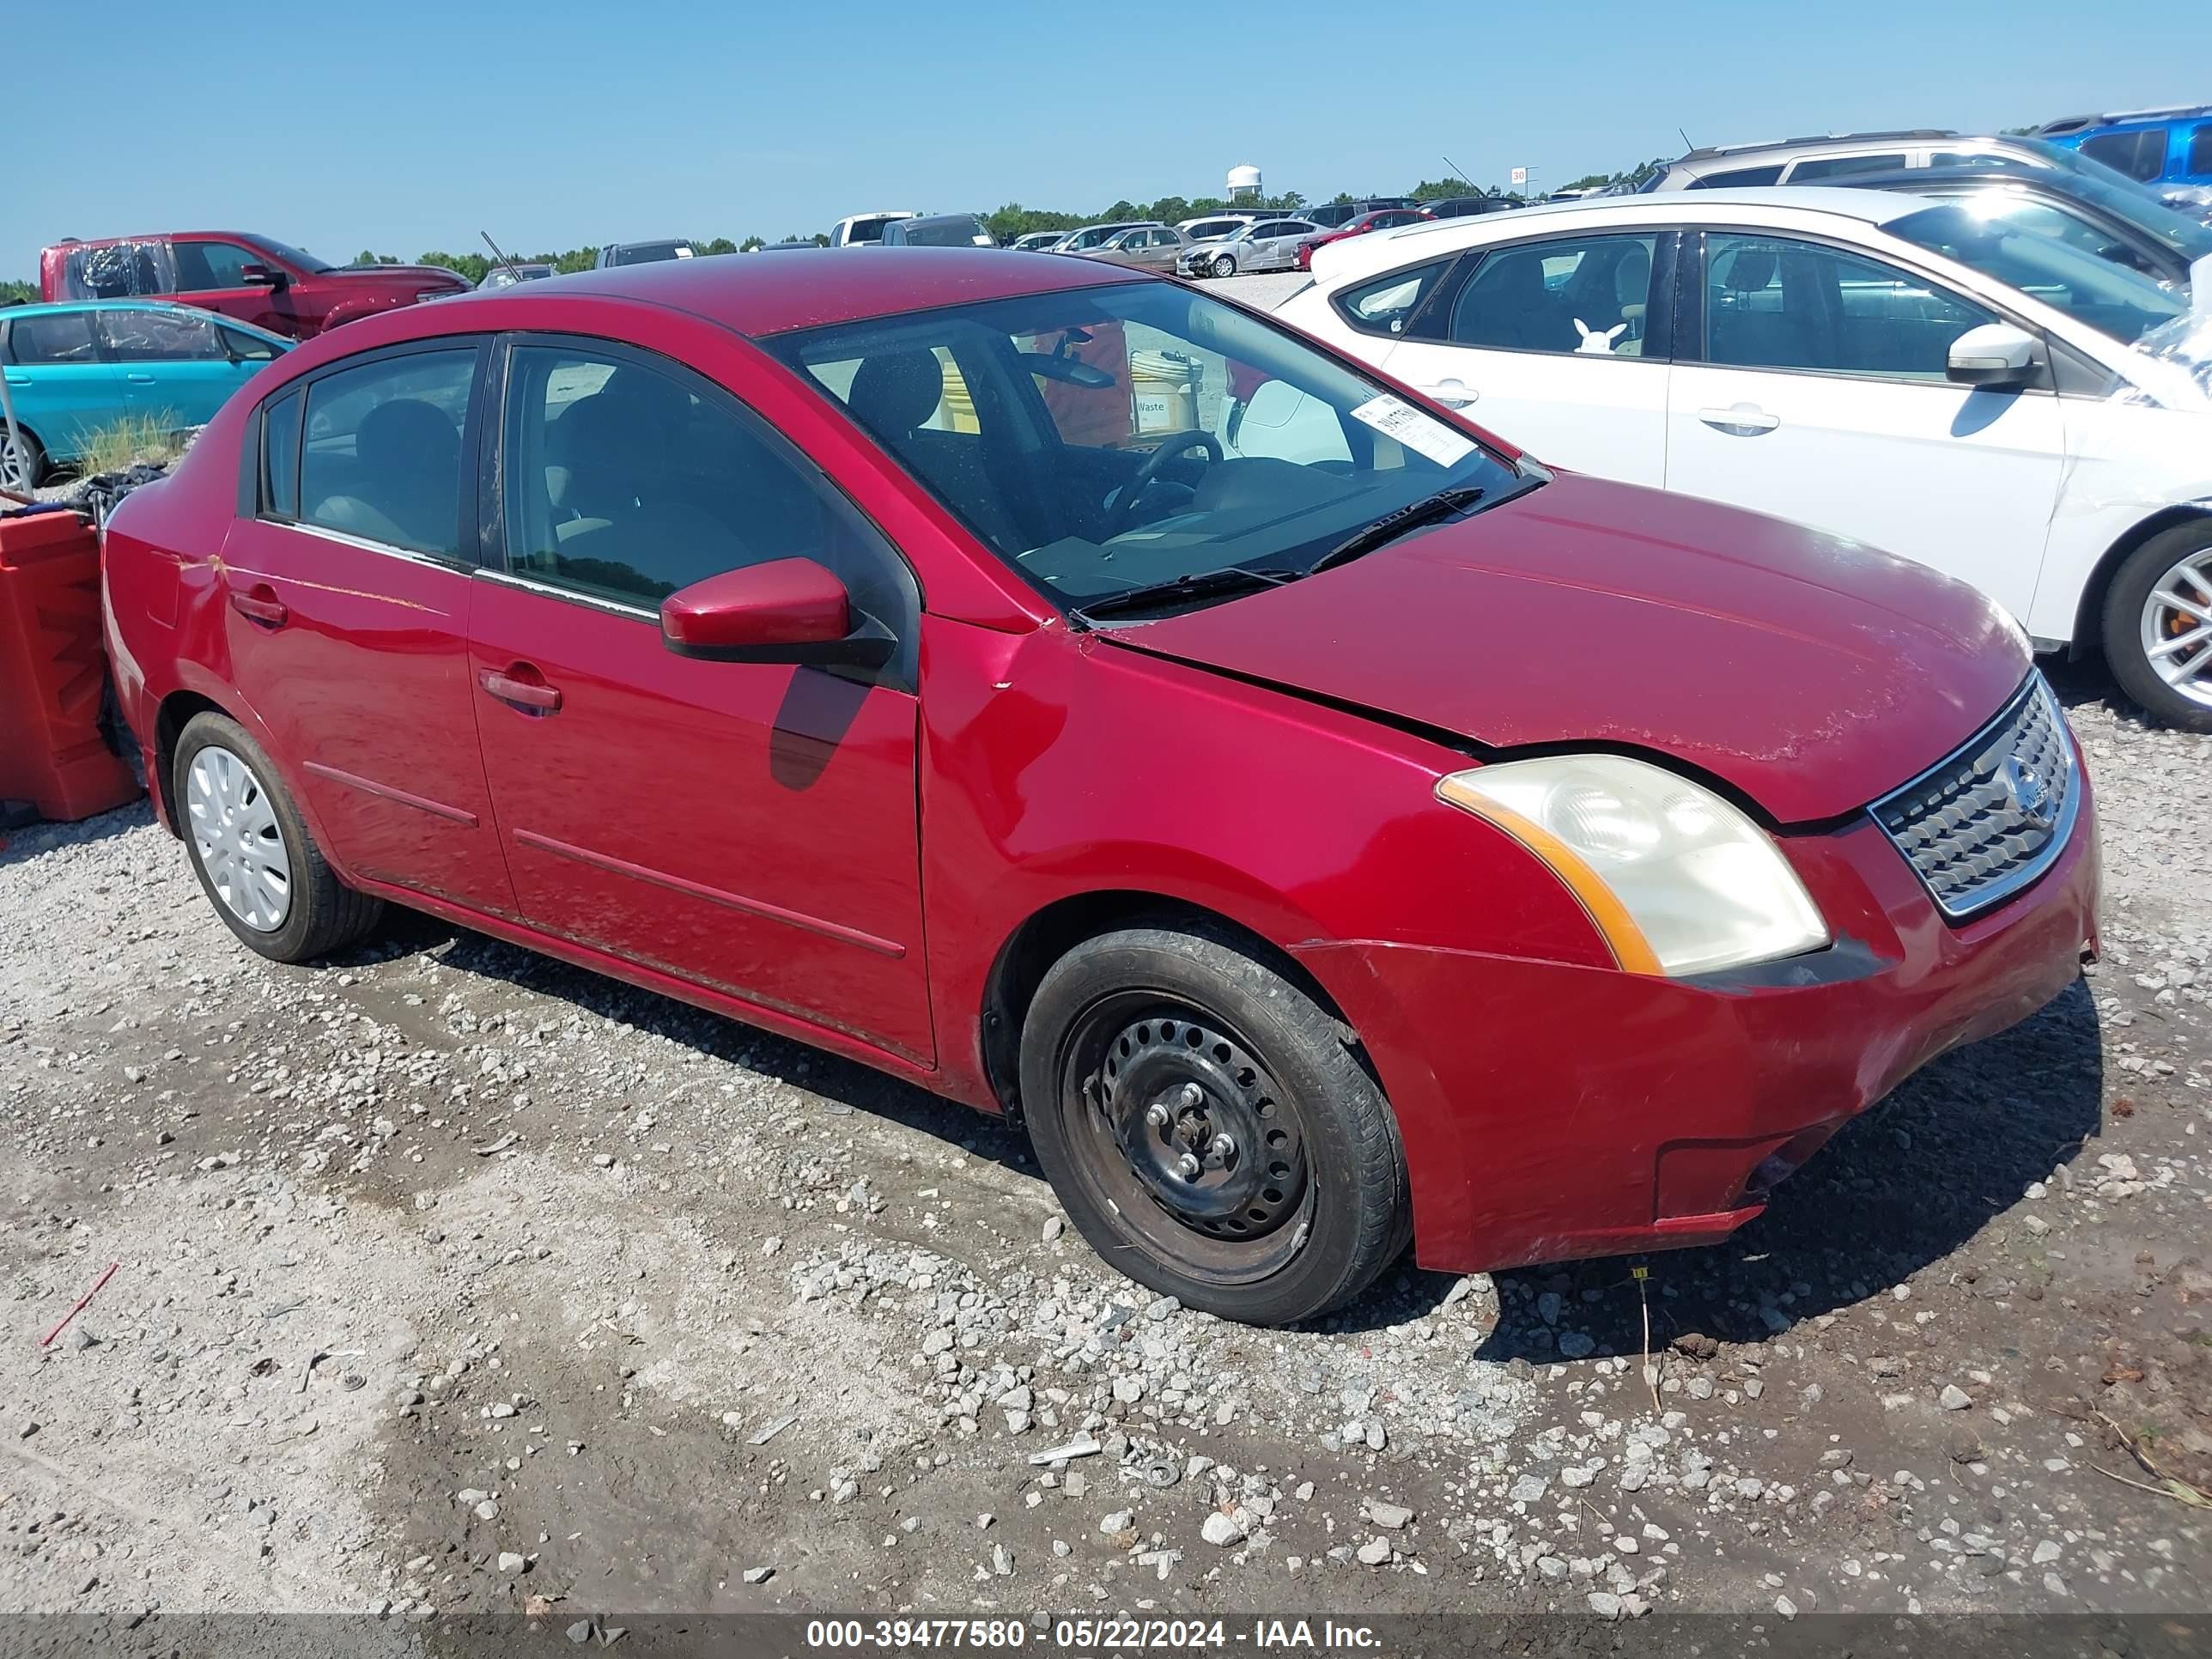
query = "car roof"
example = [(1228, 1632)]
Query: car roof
[(2116, 118), (808, 288), (1381, 249), (54, 307), (1707, 152)]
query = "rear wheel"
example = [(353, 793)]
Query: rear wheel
[(256, 860), (2157, 626), (22, 463), (1208, 1129)]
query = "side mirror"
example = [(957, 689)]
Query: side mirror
[(259, 276), (1994, 355), (788, 610)]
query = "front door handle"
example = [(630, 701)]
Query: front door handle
[(1453, 394), (1741, 420), (523, 694), (137, 379), (260, 604)]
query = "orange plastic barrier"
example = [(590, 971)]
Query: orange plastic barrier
[(52, 668)]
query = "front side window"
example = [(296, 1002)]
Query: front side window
[(626, 483), (1771, 303), (2012, 242), (2141, 155), (1387, 304), (1813, 169), (53, 336), (382, 455), (1109, 439), (202, 267), (2200, 151), (1586, 294), (161, 336)]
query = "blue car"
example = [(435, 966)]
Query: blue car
[(2155, 147), (74, 368)]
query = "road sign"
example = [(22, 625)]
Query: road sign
[(1519, 175)]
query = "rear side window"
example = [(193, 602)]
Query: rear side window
[(61, 336), (1815, 168), (1387, 304), (2139, 154), (1579, 294), (280, 457), (382, 457), (2200, 151), (1739, 178), (161, 336)]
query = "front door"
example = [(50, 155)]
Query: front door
[(1545, 344), (1822, 398), (348, 605), (750, 827), (211, 274), (176, 371)]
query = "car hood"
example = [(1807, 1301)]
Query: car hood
[(1811, 673), (386, 275)]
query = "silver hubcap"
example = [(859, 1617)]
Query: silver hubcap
[(2177, 627), (14, 474), (235, 833)]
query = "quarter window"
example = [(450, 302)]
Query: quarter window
[(1815, 168), (203, 267), (56, 337), (1586, 294), (1739, 178), (1775, 303), (626, 483), (280, 457), (382, 457), (248, 347), (1387, 304)]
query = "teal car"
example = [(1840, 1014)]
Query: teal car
[(74, 368)]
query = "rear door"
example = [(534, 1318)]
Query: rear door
[(1558, 345), (59, 379), (176, 370), (750, 827), (349, 577), (1811, 384)]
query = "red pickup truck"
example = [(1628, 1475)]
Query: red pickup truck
[(250, 277)]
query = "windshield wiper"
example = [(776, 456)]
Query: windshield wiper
[(1196, 585), (1391, 525)]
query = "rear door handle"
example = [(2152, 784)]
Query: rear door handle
[(137, 379), (1743, 421), (1452, 394), (545, 699), (260, 604)]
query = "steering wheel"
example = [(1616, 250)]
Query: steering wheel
[(1175, 443)]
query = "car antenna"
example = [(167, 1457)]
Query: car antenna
[(1451, 171), (1686, 145), (512, 269)]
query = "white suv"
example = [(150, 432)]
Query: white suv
[(1947, 381)]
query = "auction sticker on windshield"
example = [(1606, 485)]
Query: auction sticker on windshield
[(1395, 419)]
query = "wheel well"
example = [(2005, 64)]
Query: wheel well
[(169, 722), (2089, 621), (1029, 952)]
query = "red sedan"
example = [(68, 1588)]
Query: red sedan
[(1383, 219), (1317, 823)]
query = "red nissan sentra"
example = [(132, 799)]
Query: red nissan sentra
[(1315, 823)]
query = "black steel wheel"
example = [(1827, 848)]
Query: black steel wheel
[(1207, 1128)]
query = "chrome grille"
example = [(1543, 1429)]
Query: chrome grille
[(1984, 822)]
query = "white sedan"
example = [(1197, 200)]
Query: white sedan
[(1947, 380)]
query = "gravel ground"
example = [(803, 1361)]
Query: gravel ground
[(453, 1279)]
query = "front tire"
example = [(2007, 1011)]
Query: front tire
[(2157, 626), (1209, 1130), (258, 864), (1225, 265), (21, 466)]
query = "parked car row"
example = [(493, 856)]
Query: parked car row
[(1721, 826)]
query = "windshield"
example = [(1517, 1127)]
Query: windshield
[(2190, 239), (290, 255), (2068, 159), (1106, 438), (2025, 244)]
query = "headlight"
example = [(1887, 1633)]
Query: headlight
[(1676, 880)]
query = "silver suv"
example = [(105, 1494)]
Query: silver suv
[(1832, 159)]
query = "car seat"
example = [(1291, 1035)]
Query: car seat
[(406, 484)]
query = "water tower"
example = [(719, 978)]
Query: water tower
[(1244, 181)]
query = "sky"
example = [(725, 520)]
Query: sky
[(406, 126)]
